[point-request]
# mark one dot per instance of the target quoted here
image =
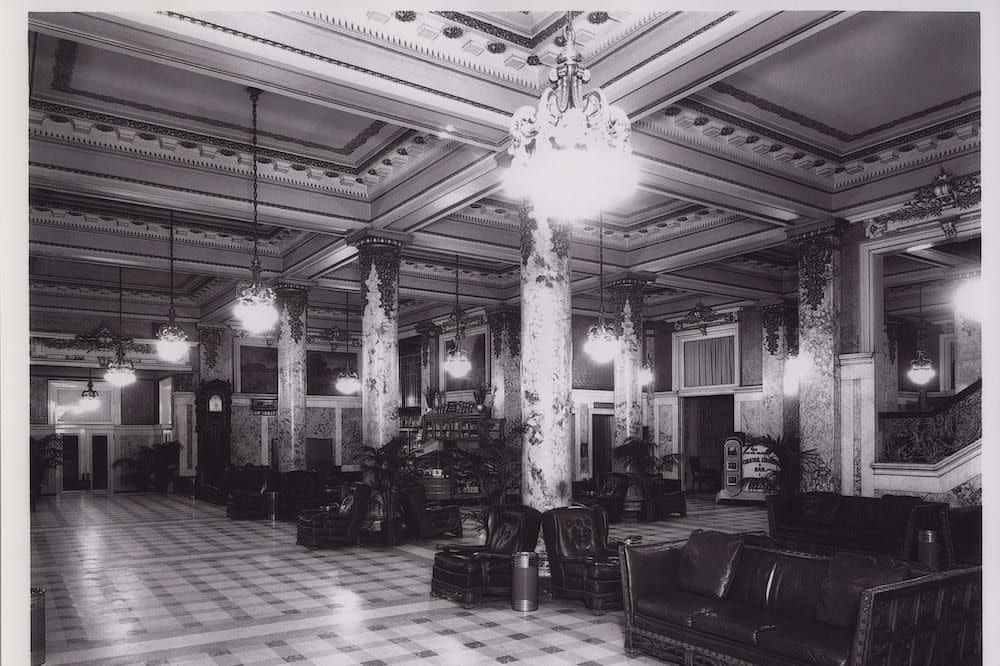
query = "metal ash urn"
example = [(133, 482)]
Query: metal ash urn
[(524, 582), (929, 549)]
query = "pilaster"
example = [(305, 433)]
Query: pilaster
[(626, 309), (429, 335), (505, 374), (290, 420)]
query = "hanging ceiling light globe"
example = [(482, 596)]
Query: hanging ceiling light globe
[(89, 398), (645, 376), (921, 369), (171, 341), (573, 152), (457, 363), (120, 372), (255, 302), (602, 341), (347, 379)]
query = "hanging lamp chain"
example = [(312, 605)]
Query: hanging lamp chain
[(121, 328), (172, 315), (254, 96), (601, 259)]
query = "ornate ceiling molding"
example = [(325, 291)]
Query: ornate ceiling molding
[(946, 194), (50, 287)]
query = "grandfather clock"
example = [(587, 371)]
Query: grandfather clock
[(214, 409)]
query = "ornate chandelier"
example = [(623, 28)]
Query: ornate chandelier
[(347, 378), (921, 369), (645, 376), (89, 398), (602, 342), (171, 341), (573, 153), (254, 302), (457, 363), (120, 372)]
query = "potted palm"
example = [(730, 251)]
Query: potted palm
[(637, 455), (44, 453), (792, 463), (495, 468), (390, 470), (151, 467)]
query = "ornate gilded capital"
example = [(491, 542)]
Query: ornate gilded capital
[(291, 301), (775, 317), (210, 340), (381, 250), (505, 320), (627, 291)]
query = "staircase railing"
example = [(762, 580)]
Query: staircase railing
[(933, 435)]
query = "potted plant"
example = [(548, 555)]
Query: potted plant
[(151, 467), (792, 463), (390, 470), (44, 453), (494, 468), (637, 456)]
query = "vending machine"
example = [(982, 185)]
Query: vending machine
[(748, 471)]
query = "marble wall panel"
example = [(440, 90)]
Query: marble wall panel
[(39, 400), (245, 442), (351, 434)]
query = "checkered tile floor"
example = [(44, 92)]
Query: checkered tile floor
[(147, 579)]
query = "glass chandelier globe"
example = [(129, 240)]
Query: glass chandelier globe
[(89, 399), (171, 344), (348, 382), (602, 344), (120, 372), (921, 369), (457, 363), (645, 377), (255, 307), (572, 153)]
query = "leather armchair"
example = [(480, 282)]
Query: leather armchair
[(246, 499), (317, 528), (583, 564), (467, 573), (665, 497), (298, 491), (611, 498), (424, 521)]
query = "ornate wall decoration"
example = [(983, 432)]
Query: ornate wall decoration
[(775, 317), (292, 303), (382, 253), (559, 233), (184, 382), (932, 437), (701, 317), (815, 255), (505, 320), (622, 292), (210, 340), (500, 33), (946, 192)]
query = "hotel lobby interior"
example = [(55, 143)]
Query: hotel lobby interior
[(590, 337)]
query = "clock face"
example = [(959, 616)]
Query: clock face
[(215, 403)]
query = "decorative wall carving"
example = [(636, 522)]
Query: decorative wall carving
[(210, 340), (775, 317), (932, 437), (946, 192), (383, 253), (701, 317)]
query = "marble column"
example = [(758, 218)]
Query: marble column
[(429, 337), (819, 354), (378, 267), (505, 373), (779, 324), (968, 347), (546, 363), (626, 309), (290, 422)]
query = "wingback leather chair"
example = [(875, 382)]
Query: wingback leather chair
[(466, 573), (611, 498), (317, 528), (298, 491), (423, 521), (246, 499), (584, 565)]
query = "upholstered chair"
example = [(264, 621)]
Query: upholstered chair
[(466, 573), (298, 491), (425, 521), (317, 528), (246, 499), (583, 564), (611, 498)]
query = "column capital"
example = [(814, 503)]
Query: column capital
[(378, 238), (505, 319), (775, 315)]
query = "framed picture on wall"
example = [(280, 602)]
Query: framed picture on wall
[(258, 369), (322, 368), (475, 345)]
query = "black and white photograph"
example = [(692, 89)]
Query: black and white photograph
[(492, 334)]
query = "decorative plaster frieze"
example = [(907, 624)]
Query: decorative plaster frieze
[(132, 295), (946, 194), (702, 316)]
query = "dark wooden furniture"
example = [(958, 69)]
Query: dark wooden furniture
[(297, 491), (466, 573), (962, 536), (823, 522), (611, 497), (583, 564), (246, 487), (661, 498), (213, 405), (718, 601), (424, 520), (319, 528)]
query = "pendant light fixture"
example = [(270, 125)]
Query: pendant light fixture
[(457, 363), (921, 369), (347, 379), (171, 341), (120, 372), (89, 399), (254, 302), (572, 152), (602, 341)]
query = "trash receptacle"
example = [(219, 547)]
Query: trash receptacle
[(929, 549), (524, 582), (37, 626), (272, 505)]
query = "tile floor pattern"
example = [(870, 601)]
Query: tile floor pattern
[(149, 579)]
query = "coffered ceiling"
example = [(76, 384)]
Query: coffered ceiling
[(746, 125)]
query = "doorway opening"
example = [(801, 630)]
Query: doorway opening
[(706, 421), (603, 436)]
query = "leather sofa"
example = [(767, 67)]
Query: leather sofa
[(317, 528), (822, 522), (717, 600), (424, 521), (583, 563), (467, 573)]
